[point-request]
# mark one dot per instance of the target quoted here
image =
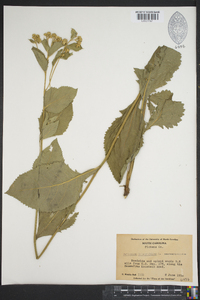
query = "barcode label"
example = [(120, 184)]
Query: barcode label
[(147, 16)]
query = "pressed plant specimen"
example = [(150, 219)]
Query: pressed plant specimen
[(51, 187)]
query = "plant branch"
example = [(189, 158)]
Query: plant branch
[(135, 102), (127, 189), (41, 148), (52, 72), (97, 170)]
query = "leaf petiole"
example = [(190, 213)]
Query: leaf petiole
[(35, 230), (53, 68), (128, 177)]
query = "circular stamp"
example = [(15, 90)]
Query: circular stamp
[(177, 27)]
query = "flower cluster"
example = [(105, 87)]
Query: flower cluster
[(55, 38), (62, 48), (66, 50), (64, 41), (78, 40), (36, 38)]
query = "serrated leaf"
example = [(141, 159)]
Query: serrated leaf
[(54, 48), (124, 138), (74, 47), (128, 143), (73, 33), (49, 222), (167, 112), (55, 100), (159, 70), (45, 44), (49, 187), (43, 62)]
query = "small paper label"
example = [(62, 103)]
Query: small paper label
[(154, 257), (147, 16)]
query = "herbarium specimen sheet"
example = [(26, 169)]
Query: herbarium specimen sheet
[(106, 96)]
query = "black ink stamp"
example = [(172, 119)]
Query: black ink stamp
[(177, 28)]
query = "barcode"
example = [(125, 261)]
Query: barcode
[(147, 17)]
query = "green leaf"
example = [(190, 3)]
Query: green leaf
[(49, 155), (73, 33), (49, 222), (62, 55), (49, 127), (45, 44), (58, 111), (49, 187), (66, 55), (61, 119), (151, 107), (32, 41), (43, 62), (54, 48), (159, 70), (64, 118), (58, 55), (167, 112), (128, 143), (124, 138), (55, 100), (74, 47)]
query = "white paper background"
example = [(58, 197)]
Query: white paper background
[(163, 184)]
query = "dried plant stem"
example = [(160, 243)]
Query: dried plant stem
[(131, 164), (41, 147), (41, 139), (52, 73)]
